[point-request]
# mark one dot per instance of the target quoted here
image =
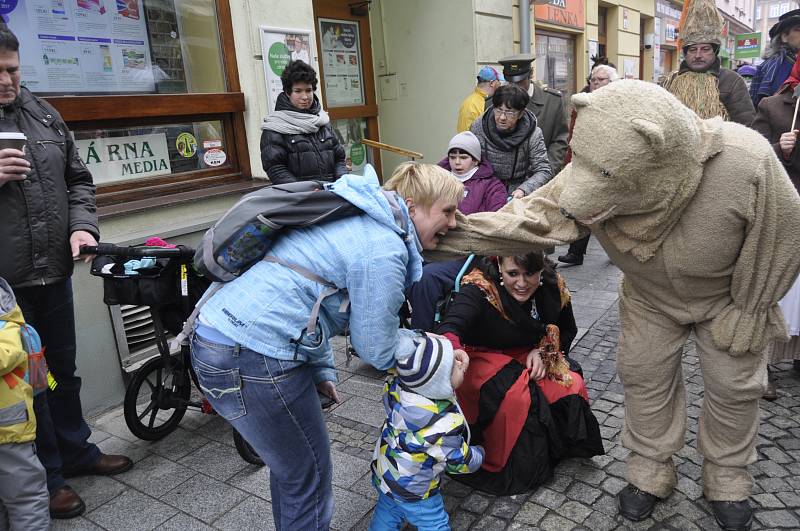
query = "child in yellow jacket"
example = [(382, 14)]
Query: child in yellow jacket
[(24, 502)]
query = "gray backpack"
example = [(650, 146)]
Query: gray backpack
[(244, 234)]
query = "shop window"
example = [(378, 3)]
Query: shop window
[(149, 88), (555, 63)]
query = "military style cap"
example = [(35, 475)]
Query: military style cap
[(517, 67)]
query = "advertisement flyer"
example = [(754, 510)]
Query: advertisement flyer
[(279, 47), (341, 56), (81, 46)]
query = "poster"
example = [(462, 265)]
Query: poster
[(593, 51), (350, 132), (631, 67), (279, 47), (748, 45), (81, 46), (341, 62), (114, 159)]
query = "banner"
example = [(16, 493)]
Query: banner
[(747, 45), (81, 46), (114, 159)]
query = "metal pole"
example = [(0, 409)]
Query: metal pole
[(524, 26)]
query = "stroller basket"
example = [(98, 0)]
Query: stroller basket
[(161, 283)]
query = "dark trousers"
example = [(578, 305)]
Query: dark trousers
[(438, 280), (61, 432), (579, 246)]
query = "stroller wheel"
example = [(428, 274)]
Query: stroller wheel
[(245, 450), (156, 399)]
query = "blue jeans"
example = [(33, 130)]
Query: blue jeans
[(62, 435), (273, 404), (427, 515)]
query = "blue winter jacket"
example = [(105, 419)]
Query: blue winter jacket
[(268, 307)]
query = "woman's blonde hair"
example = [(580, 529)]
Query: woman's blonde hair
[(425, 184)]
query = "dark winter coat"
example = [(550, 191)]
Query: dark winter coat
[(548, 106), (774, 118), (519, 158), (57, 198), (301, 157), (483, 192)]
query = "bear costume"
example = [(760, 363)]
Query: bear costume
[(701, 218)]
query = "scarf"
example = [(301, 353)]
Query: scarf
[(793, 80), (288, 120), (467, 176), (508, 141)]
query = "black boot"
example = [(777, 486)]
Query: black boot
[(635, 504), (733, 516), (571, 258)]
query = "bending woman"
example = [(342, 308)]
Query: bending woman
[(522, 401)]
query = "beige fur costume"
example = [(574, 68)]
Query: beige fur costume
[(700, 216)]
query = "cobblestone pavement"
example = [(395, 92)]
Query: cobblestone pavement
[(194, 479)]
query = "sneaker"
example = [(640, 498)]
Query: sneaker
[(635, 504), (733, 516), (571, 258)]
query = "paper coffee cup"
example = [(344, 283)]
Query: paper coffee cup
[(13, 141)]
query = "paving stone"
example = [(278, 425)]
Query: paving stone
[(791, 499), (177, 444), (772, 469), (347, 469), (554, 522), (768, 501), (530, 513), (476, 503), (769, 484), (253, 480), (689, 487), (74, 524), (600, 522), (97, 490), (252, 513), (204, 498), (504, 509), (583, 493), (132, 510), (547, 497), (575, 511), (489, 523), (156, 475), (462, 520), (778, 519), (680, 522), (613, 485), (216, 460), (560, 482), (362, 410), (690, 469), (183, 522)]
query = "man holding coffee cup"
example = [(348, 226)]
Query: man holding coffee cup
[(47, 211)]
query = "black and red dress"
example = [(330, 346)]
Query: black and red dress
[(525, 426)]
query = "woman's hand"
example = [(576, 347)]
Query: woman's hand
[(787, 142), (535, 364), (328, 389), (518, 194)]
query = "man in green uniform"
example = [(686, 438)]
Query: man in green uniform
[(546, 103)]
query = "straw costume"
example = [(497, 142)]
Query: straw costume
[(716, 91), (700, 216)]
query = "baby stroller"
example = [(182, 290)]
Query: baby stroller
[(159, 393)]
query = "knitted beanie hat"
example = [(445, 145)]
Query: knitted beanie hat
[(427, 371), (468, 143), (702, 24)]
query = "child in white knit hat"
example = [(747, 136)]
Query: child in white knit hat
[(424, 434)]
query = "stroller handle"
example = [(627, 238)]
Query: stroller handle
[(109, 249)]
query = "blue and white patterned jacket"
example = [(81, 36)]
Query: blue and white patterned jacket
[(420, 439)]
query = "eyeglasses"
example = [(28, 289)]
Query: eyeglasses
[(598, 79), (506, 113)]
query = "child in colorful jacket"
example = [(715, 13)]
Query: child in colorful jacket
[(424, 434), (24, 502)]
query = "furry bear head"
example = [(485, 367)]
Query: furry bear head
[(635, 151)]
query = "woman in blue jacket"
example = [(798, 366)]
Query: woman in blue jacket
[(260, 368)]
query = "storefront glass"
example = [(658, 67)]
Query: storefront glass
[(555, 62), (88, 47), (123, 154)]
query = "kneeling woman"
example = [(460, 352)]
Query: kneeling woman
[(523, 403)]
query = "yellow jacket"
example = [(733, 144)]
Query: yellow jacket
[(472, 107), (17, 421)]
